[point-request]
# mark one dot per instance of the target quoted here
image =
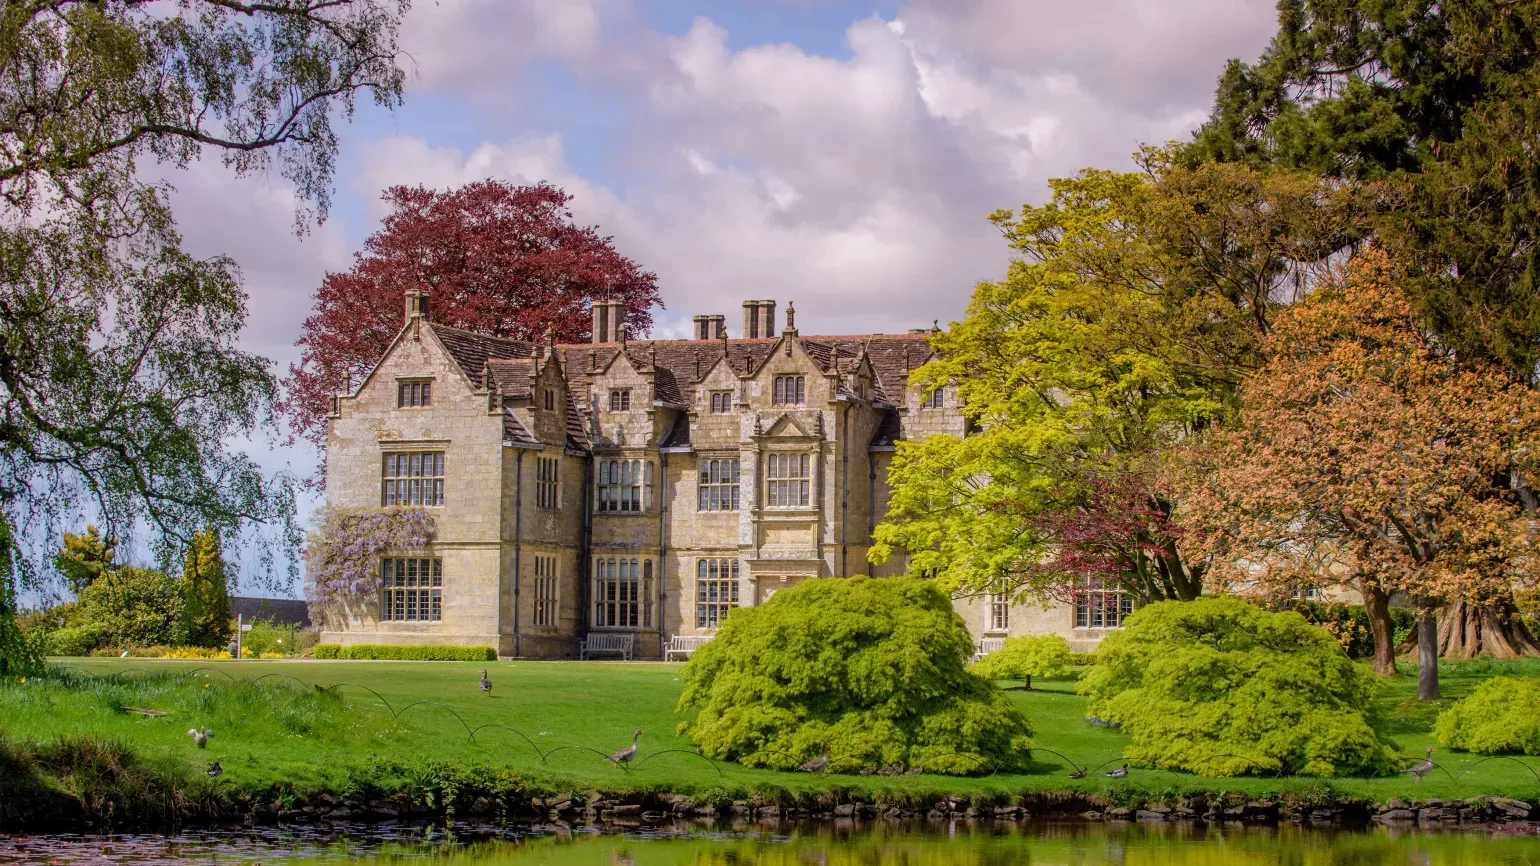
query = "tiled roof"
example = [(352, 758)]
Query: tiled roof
[(514, 377), (472, 350), (514, 431), (577, 433), (889, 430), (679, 436)]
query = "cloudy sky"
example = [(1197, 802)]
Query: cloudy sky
[(842, 155)]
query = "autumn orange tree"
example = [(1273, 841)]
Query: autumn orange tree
[(1366, 450)]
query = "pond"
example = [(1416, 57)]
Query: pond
[(1039, 843)]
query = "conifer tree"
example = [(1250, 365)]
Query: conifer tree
[(85, 557), (205, 592)]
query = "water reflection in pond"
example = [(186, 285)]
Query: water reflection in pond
[(826, 844)]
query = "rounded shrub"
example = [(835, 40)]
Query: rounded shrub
[(1502, 716), (1219, 687), (871, 669), (1023, 658)]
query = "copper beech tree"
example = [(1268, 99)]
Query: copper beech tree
[(1365, 452), (495, 257)]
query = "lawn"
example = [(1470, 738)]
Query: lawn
[(283, 731)]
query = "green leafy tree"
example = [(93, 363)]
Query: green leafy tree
[(205, 593), (1502, 716), (85, 557), (870, 669), (1219, 687), (1138, 304), (119, 362), (1441, 99), (1022, 658), (134, 607)]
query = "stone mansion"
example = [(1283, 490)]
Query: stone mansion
[(633, 486)]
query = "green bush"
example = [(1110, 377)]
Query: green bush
[(1502, 716), (1023, 658), (871, 668), (423, 653), (267, 638), (135, 607), (1219, 687), (74, 641), (1349, 623)]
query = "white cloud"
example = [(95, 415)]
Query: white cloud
[(857, 186)]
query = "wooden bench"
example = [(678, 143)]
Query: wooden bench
[(989, 645), (684, 644), (607, 643)]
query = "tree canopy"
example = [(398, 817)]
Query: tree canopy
[(1139, 303), (494, 257), (119, 363)]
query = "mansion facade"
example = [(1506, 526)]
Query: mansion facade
[(630, 486)]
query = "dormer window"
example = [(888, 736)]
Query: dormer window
[(414, 394), (789, 391), (721, 402), (550, 399), (620, 400)]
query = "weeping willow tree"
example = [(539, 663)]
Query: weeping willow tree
[(119, 367)]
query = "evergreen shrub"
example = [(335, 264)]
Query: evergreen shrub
[(422, 653), (135, 607), (1219, 687), (873, 669), (1022, 658), (1502, 716), (78, 640)]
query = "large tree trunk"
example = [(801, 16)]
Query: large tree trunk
[(1377, 606), (1427, 652), (1466, 631)]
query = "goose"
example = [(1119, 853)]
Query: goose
[(1422, 769), (625, 755), (201, 736), (1119, 773), (486, 684), (817, 764), (214, 770)]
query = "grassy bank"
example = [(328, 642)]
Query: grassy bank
[(280, 735)]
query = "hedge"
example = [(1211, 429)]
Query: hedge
[(422, 653)]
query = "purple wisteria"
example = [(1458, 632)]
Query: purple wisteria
[(342, 557)]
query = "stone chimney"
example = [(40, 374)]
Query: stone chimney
[(601, 333), (710, 327), (750, 319), (416, 304), (767, 318), (608, 317)]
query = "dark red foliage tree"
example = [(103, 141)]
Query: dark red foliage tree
[(496, 258)]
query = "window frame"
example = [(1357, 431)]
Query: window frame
[(997, 612), (788, 479), (624, 485), (1091, 608), (429, 493), (548, 483), (718, 484), (717, 590), (547, 598), (721, 403), (789, 389), (622, 589), (620, 399), (414, 393), (409, 595), (550, 399), (934, 399)]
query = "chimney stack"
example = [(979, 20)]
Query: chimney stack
[(710, 327), (750, 319), (601, 332), (608, 317), (767, 318), (416, 304)]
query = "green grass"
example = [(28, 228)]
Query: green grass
[(279, 733)]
